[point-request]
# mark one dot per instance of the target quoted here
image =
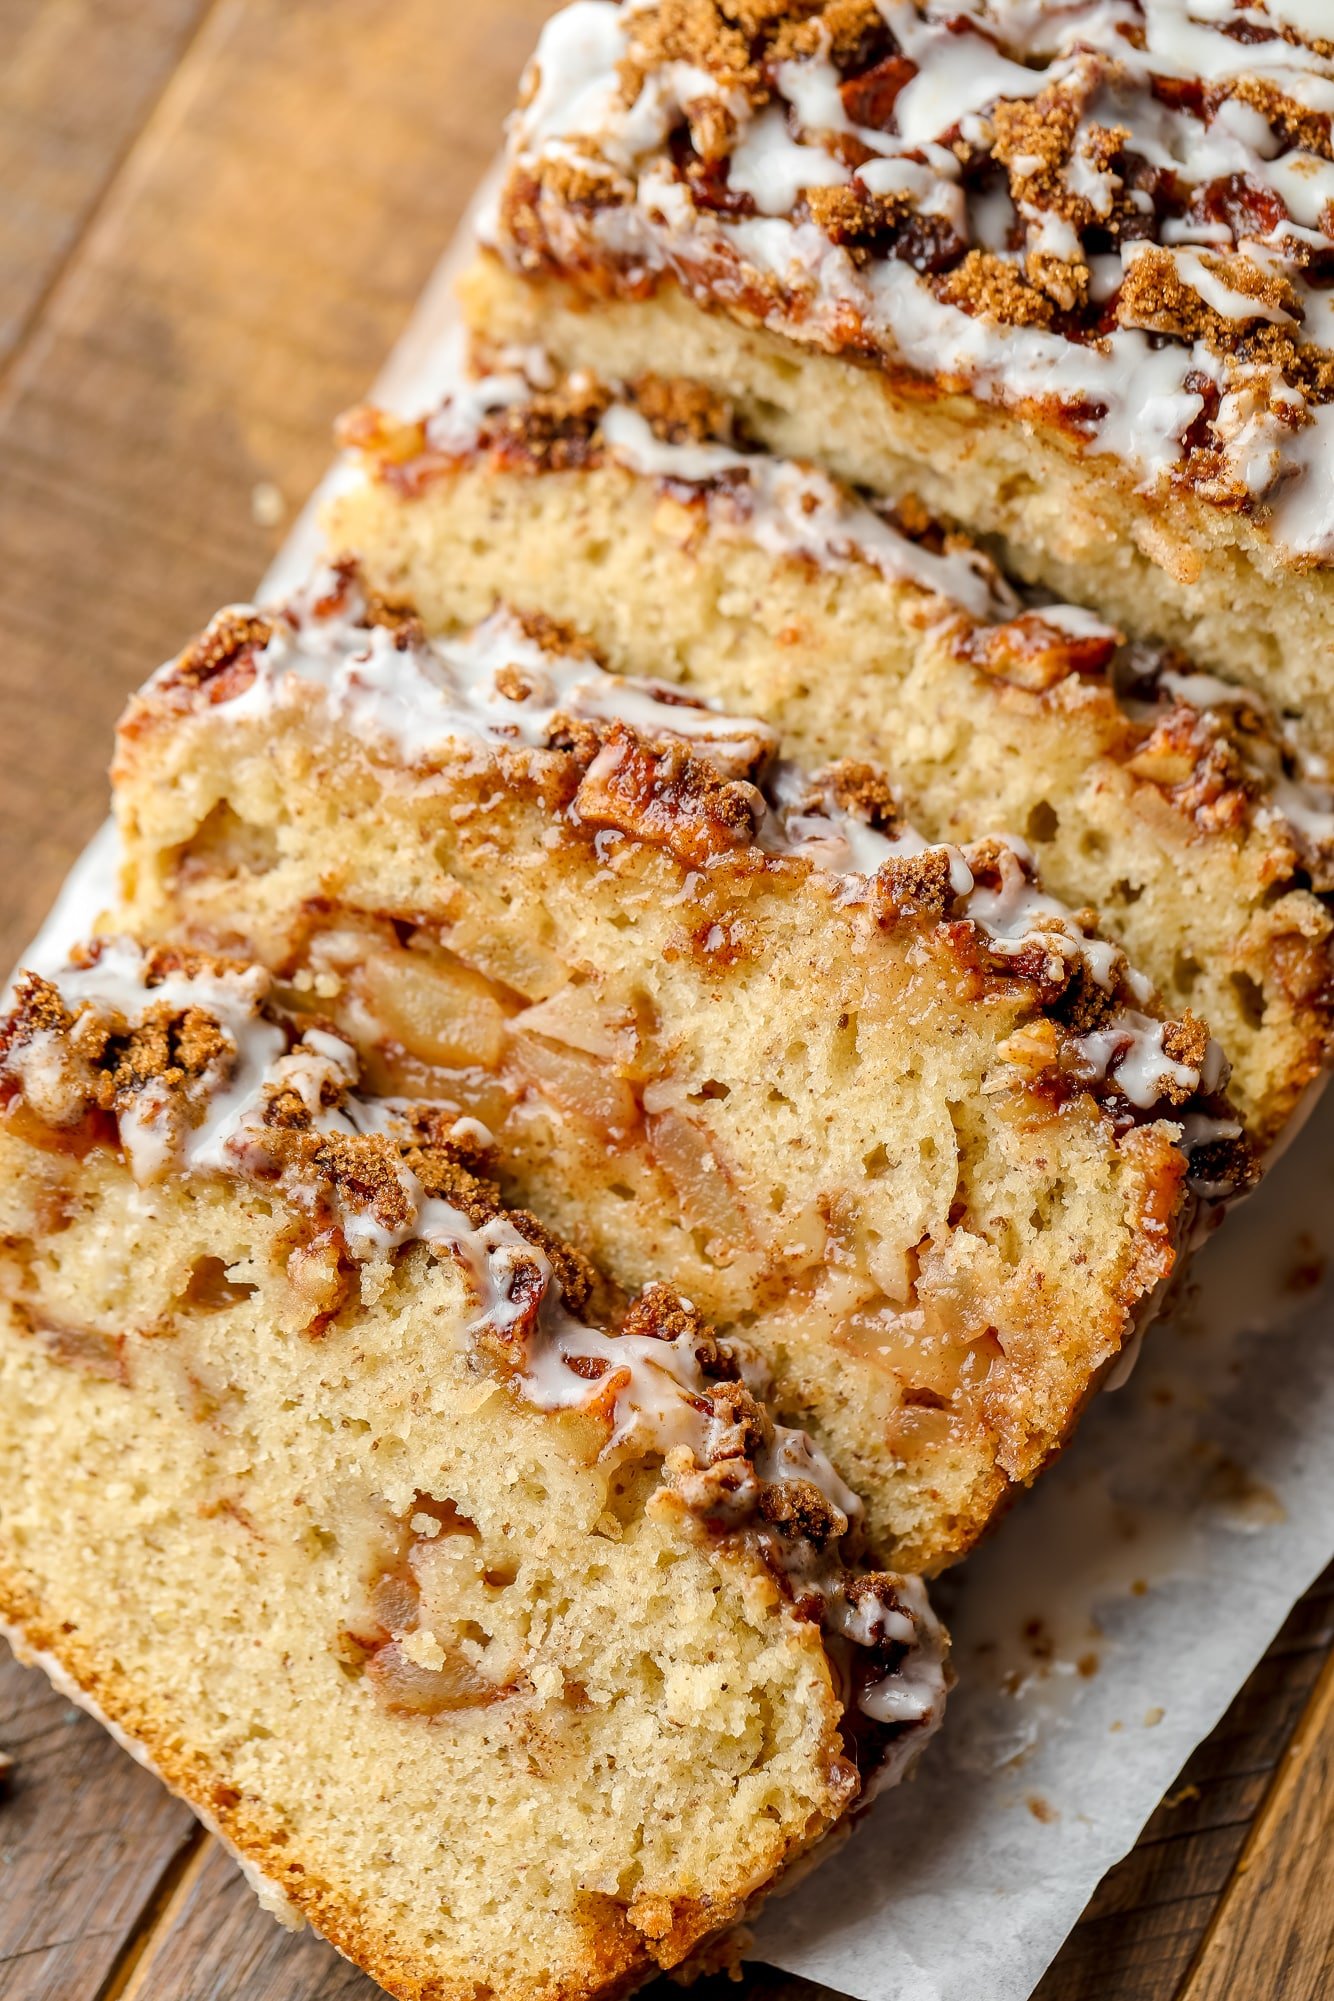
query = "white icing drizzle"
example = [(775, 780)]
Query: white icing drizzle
[(269, 1894), (1132, 390), (1296, 793), (230, 1091), (1130, 1051), (653, 1392)]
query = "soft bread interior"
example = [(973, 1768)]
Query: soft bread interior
[(594, 1738)]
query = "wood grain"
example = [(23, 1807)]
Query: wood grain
[(1273, 1934), (78, 79), (214, 1945), (85, 1839), (239, 283), (1144, 1924)]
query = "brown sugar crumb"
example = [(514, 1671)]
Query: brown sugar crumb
[(400, 619), (1186, 1042), (99, 1062), (681, 412), (578, 736), (988, 287), (704, 33), (221, 656), (853, 216), (575, 1274), (913, 886), (433, 1125), (582, 183), (1156, 298), (513, 684), (739, 1421), (584, 187), (553, 431), (169, 1047), (1034, 138), (861, 790), (1085, 1005), (851, 33), (38, 1009), (553, 635), (660, 1314), (349, 589), (1065, 284), (913, 516), (364, 1166), (1295, 124), (797, 1509), (740, 42), (447, 1178)]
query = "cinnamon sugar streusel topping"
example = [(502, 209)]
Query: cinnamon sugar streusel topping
[(201, 1072), (1121, 211)]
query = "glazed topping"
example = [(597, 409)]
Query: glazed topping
[(682, 775), (199, 1072), (1292, 786), (1118, 210), (504, 683)]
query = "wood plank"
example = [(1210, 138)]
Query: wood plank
[(1273, 1935), (242, 282), (215, 1945), (77, 80), (86, 1837)]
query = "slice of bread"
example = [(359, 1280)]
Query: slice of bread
[(513, 1647), (1062, 270), (760, 584), (886, 1109)]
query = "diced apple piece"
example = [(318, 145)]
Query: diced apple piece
[(585, 1086), (436, 1008), (708, 1201), (575, 1017), (407, 1689)]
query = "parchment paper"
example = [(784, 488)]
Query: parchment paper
[(1106, 1625)]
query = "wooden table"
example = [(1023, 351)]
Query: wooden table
[(216, 217)]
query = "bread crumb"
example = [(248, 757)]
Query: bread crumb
[(424, 1650)]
